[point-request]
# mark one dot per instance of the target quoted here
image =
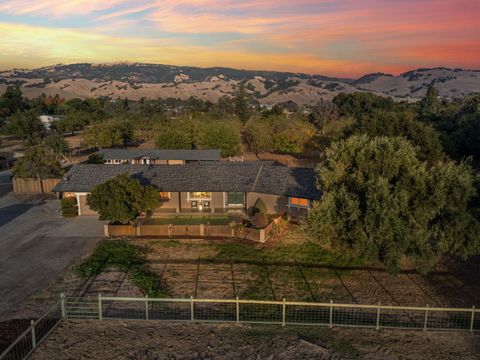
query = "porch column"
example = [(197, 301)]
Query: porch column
[(78, 204)]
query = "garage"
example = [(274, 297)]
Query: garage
[(83, 208)]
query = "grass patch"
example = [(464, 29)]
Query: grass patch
[(307, 253), (189, 220), (123, 256)]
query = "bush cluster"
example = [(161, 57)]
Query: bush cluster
[(69, 207)]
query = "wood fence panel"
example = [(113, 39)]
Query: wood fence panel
[(34, 186), (154, 230), (121, 230)]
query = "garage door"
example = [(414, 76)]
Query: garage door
[(84, 208)]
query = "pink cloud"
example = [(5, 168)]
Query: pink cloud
[(56, 8)]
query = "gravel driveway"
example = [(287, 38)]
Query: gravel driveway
[(37, 245)]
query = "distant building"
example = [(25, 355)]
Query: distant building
[(47, 120), (157, 156)]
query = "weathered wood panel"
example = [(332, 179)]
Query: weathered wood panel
[(34, 186)]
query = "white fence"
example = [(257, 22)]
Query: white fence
[(274, 312), (242, 311), (39, 329)]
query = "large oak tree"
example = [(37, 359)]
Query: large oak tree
[(381, 203)]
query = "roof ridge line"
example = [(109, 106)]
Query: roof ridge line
[(256, 178)]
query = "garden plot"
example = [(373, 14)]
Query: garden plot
[(327, 285), (225, 270)]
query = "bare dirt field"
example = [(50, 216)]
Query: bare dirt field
[(148, 340)]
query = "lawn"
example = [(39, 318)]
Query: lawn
[(189, 220)]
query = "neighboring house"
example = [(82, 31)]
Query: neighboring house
[(47, 120), (216, 187), (157, 157)]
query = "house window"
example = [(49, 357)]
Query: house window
[(164, 195), (108, 161), (116, 161), (199, 195), (299, 202), (235, 199)]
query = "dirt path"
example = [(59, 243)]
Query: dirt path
[(155, 340)]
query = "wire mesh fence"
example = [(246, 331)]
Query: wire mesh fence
[(26, 343), (241, 311), (275, 312)]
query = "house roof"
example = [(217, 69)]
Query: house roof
[(212, 177), (160, 154)]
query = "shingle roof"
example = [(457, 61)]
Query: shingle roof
[(160, 154), (212, 177)]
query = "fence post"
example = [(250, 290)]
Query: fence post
[(331, 314), (100, 311), (426, 319), (192, 313), (284, 313), (472, 320), (34, 337), (146, 307), (62, 304), (377, 327), (237, 305)]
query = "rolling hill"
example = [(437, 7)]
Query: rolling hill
[(137, 80)]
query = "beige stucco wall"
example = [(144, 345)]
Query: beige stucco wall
[(275, 204)]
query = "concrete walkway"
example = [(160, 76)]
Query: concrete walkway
[(37, 245)]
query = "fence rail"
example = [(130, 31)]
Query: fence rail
[(241, 311), (275, 312), (25, 344)]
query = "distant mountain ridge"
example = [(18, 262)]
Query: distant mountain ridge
[(137, 80)]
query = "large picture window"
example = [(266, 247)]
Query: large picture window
[(199, 195), (164, 195), (235, 199)]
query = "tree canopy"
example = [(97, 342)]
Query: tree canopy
[(380, 202), (38, 162), (173, 137), (25, 125), (223, 136), (109, 134), (401, 123), (122, 199)]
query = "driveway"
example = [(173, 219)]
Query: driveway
[(37, 245)]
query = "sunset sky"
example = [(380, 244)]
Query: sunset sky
[(331, 37)]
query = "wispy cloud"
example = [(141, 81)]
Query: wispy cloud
[(323, 36), (56, 8)]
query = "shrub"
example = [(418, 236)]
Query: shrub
[(125, 257), (260, 220), (69, 207), (95, 159), (259, 207)]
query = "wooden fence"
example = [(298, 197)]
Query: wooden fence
[(34, 186), (199, 230)]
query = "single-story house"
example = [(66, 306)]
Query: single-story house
[(206, 187), (157, 157)]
